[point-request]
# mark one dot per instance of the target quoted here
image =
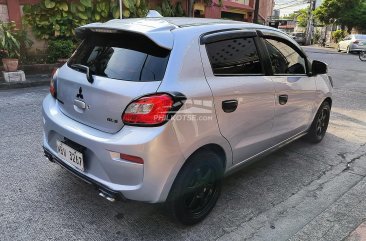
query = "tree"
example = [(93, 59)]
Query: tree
[(348, 13), (300, 16)]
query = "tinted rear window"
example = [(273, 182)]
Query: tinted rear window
[(234, 57), (124, 56)]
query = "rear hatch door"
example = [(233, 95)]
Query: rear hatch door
[(123, 66)]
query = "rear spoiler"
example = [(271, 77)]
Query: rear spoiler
[(159, 33)]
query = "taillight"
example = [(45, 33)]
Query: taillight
[(152, 110), (356, 42), (53, 83)]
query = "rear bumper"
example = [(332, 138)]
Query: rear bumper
[(99, 186), (157, 146)]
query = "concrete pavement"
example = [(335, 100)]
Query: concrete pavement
[(302, 192)]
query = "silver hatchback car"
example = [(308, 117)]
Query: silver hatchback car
[(161, 109)]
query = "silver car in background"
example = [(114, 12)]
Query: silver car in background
[(299, 37), (352, 43), (161, 109)]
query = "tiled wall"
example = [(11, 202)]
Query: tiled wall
[(4, 15)]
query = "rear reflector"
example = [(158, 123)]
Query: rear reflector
[(130, 158)]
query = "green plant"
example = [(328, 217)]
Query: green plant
[(167, 9), (135, 8), (12, 40), (54, 19), (59, 49), (339, 35), (317, 36), (25, 42), (179, 12), (301, 16)]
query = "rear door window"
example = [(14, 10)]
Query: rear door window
[(234, 57), (122, 56)]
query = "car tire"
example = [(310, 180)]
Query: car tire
[(338, 48), (320, 123), (196, 188), (348, 50)]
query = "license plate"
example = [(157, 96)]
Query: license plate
[(70, 155)]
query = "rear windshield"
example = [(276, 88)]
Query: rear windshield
[(124, 56)]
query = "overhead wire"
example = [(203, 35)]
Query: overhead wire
[(287, 3), (293, 5)]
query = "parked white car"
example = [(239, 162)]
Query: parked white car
[(352, 43)]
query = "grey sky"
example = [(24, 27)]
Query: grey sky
[(289, 6)]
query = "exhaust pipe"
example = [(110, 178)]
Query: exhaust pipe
[(49, 157), (107, 196)]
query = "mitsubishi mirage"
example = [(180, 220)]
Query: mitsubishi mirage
[(161, 109)]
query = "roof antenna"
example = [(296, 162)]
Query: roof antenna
[(153, 14)]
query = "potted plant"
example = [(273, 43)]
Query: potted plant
[(9, 46)]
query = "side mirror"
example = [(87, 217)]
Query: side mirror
[(318, 67)]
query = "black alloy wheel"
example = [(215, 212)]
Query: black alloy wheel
[(320, 123), (196, 188), (362, 55)]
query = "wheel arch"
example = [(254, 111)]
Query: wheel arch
[(213, 147), (329, 100)]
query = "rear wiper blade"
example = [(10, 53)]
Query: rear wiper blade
[(89, 76)]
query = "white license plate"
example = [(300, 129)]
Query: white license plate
[(70, 155)]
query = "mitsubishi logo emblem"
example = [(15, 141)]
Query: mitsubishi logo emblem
[(80, 94)]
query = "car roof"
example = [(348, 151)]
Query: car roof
[(159, 29), (182, 22)]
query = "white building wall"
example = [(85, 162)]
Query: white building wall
[(4, 15)]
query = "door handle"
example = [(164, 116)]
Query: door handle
[(80, 104), (229, 106), (282, 99)]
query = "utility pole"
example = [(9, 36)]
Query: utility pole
[(256, 12), (309, 26), (190, 8), (120, 9)]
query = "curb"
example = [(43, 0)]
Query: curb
[(25, 84)]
